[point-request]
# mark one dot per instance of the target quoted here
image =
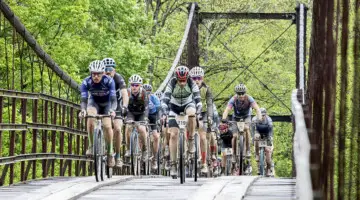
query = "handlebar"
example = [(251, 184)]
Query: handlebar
[(97, 116)]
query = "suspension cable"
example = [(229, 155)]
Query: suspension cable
[(247, 67)]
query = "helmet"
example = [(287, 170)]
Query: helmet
[(263, 111), (158, 94), (196, 72), (223, 127), (147, 87), (240, 88), (181, 72), (135, 79), (96, 66), (109, 62)]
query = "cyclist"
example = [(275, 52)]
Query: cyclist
[(197, 75), (102, 101), (154, 116), (226, 136), (242, 104), (263, 128), (181, 95), (165, 134), (213, 137), (138, 110), (122, 96)]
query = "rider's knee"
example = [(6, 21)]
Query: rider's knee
[(117, 125), (268, 149), (91, 110), (156, 135), (256, 136), (107, 124), (190, 111)]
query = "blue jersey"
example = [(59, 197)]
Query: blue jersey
[(154, 104), (99, 92)]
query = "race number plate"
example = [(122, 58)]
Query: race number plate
[(262, 143), (241, 126), (181, 124), (228, 151)]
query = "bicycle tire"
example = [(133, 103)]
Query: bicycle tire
[(97, 158), (241, 156), (181, 158), (196, 155), (158, 156), (102, 155), (262, 167), (228, 165), (149, 152), (133, 154)]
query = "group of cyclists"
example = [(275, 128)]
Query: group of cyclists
[(186, 92)]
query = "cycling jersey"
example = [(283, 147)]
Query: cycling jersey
[(154, 104), (119, 85), (226, 138), (138, 104), (263, 127), (242, 108), (102, 93), (180, 97), (216, 117)]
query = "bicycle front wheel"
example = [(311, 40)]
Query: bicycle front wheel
[(134, 154), (241, 156), (181, 158), (97, 154), (196, 156), (262, 163)]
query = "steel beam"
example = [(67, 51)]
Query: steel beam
[(234, 15)]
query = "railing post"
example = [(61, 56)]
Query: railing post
[(44, 140), (23, 137), (12, 139), (34, 135), (1, 118)]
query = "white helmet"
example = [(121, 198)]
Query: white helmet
[(147, 87), (135, 79), (109, 62), (196, 72), (97, 66), (263, 111), (240, 88)]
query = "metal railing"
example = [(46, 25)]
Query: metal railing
[(301, 149)]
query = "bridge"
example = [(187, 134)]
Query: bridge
[(324, 115)]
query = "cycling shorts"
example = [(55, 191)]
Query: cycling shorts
[(176, 110), (101, 109)]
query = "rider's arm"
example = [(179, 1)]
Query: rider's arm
[(271, 133), (209, 103), (167, 96), (196, 95), (84, 95), (256, 107), (113, 100), (122, 87), (156, 102), (228, 108), (146, 103)]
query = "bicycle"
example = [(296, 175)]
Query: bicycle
[(134, 147), (151, 154), (100, 159), (193, 162), (240, 157), (228, 153), (262, 146)]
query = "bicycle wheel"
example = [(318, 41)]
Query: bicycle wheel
[(228, 165), (196, 155), (97, 157), (149, 152), (102, 156), (241, 156), (133, 154), (262, 166), (158, 156), (181, 158)]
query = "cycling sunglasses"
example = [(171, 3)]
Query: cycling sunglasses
[(135, 85), (99, 74), (109, 69), (197, 78), (241, 93)]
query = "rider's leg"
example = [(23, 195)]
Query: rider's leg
[(203, 147), (143, 138), (173, 143), (156, 142), (108, 133), (90, 128), (117, 135), (233, 144), (247, 138), (128, 129), (213, 145), (268, 152), (190, 112), (223, 160)]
